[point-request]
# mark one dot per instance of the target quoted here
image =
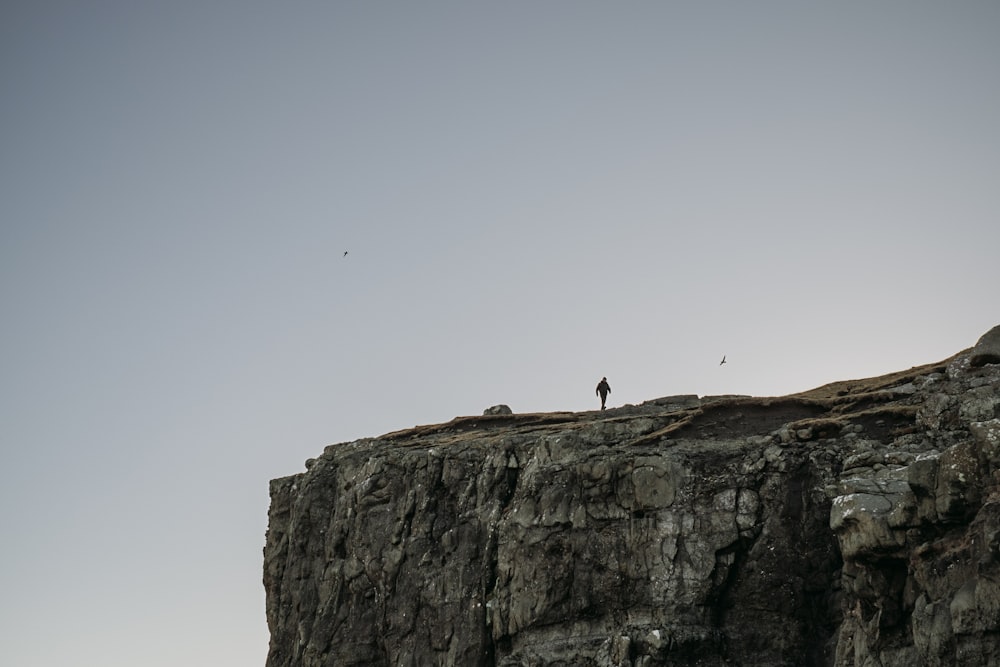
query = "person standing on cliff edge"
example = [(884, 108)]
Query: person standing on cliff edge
[(603, 389)]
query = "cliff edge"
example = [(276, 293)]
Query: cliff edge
[(855, 524)]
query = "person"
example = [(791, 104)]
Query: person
[(603, 389)]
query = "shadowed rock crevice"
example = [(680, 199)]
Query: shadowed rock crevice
[(855, 524)]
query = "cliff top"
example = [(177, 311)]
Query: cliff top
[(830, 406)]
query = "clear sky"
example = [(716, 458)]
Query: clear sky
[(532, 195)]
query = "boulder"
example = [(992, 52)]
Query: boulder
[(987, 350)]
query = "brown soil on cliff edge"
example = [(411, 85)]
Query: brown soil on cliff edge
[(848, 388), (822, 412), (816, 413)]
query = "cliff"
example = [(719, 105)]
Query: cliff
[(855, 524)]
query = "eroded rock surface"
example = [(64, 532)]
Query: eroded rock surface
[(857, 524)]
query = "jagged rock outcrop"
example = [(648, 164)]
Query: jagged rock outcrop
[(856, 524)]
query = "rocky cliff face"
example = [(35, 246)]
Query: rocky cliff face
[(856, 524)]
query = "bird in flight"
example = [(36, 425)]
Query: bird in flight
[(723, 360), (345, 253)]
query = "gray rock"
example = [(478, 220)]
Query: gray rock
[(498, 410), (874, 522), (987, 435), (987, 350)]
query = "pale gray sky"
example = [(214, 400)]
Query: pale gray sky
[(533, 195)]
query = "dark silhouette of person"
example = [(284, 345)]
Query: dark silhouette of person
[(603, 389)]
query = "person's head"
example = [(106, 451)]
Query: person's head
[(604, 379)]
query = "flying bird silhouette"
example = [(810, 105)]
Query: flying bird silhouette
[(345, 253), (723, 360)]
